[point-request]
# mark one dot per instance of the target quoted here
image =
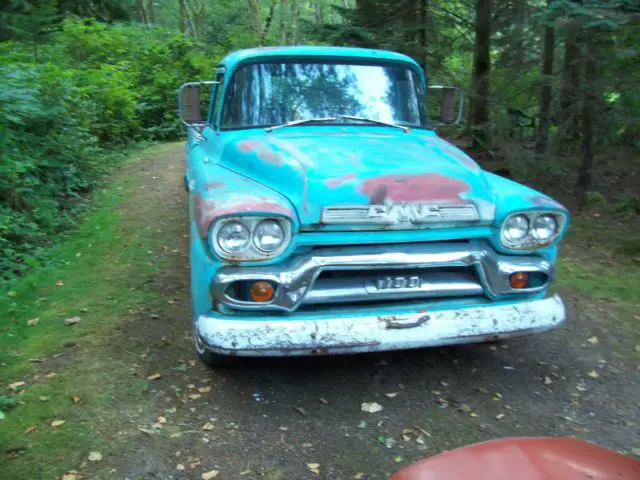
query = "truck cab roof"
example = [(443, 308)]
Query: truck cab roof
[(232, 60)]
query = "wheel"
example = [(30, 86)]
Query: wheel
[(186, 184), (210, 359)]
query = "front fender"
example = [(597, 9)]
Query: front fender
[(217, 193), (509, 197)]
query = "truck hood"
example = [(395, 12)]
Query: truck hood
[(318, 168)]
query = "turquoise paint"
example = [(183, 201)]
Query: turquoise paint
[(305, 52), (298, 171)]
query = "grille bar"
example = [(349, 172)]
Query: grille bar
[(371, 287)]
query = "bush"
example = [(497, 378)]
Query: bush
[(67, 108)]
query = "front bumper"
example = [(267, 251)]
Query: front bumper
[(298, 278), (332, 334)]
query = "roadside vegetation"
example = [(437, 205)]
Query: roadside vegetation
[(59, 370), (76, 96), (89, 90)]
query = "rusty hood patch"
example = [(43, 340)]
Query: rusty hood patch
[(318, 167)]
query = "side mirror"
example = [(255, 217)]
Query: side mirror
[(451, 105), (190, 105)]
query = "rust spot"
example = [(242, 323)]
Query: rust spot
[(336, 182), (203, 211), (206, 211), (213, 185), (414, 188), (248, 145), (270, 156), (264, 152), (378, 195), (263, 206)]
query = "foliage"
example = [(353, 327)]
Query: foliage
[(104, 243), (92, 90), (78, 88), (6, 403)]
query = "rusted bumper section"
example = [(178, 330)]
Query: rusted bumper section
[(314, 334)]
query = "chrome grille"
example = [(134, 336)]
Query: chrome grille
[(382, 285), (366, 274), (400, 213)]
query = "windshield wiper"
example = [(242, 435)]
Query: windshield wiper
[(299, 122), (380, 122)]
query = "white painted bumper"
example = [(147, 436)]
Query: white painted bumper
[(278, 336)]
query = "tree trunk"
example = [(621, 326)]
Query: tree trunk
[(479, 111), (186, 20), (198, 11), (546, 92), (423, 10), (254, 15), (588, 117), (267, 23), (319, 6), (293, 28), (520, 44), (139, 11), (283, 26), (568, 117), (152, 11)]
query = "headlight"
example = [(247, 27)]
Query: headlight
[(248, 238), (516, 228), (544, 228), (268, 236), (233, 237), (531, 229)]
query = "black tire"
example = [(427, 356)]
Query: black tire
[(210, 359), (186, 184)]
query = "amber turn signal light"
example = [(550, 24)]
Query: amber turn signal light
[(261, 291), (519, 280)]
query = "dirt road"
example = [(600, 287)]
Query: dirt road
[(271, 418)]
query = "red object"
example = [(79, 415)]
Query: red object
[(519, 280), (534, 458)]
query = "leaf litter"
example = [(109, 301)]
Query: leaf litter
[(372, 407), (72, 320)]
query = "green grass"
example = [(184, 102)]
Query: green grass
[(603, 278), (615, 283), (593, 262), (96, 273)]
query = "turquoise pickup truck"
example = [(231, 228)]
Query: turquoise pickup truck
[(327, 216)]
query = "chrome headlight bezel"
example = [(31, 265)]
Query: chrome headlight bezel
[(530, 242), (251, 252)]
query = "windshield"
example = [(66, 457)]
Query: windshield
[(264, 94)]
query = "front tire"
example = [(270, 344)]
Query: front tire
[(210, 359)]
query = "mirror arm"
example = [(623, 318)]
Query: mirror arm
[(460, 105), (181, 90)]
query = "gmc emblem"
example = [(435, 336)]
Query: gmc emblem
[(407, 212)]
